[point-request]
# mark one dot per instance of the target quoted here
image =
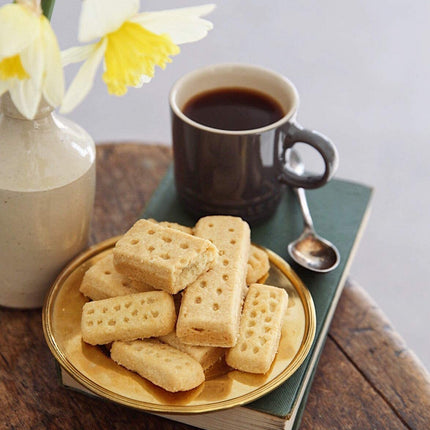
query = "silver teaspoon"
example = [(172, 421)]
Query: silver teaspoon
[(310, 250)]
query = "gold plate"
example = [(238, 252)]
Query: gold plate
[(224, 387)]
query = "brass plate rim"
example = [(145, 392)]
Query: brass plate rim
[(98, 390)]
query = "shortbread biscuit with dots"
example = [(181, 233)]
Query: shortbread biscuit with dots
[(165, 258), (260, 329), (161, 364), (210, 310), (174, 225), (258, 265), (205, 355), (135, 316), (103, 281)]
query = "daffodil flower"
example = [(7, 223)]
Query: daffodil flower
[(30, 59), (130, 44)]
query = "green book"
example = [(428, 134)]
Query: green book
[(339, 210)]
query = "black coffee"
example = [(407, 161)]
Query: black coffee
[(233, 109)]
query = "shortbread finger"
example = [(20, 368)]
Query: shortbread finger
[(210, 309), (135, 316), (258, 265), (163, 257), (103, 281), (260, 329), (161, 364), (205, 355), (174, 225)]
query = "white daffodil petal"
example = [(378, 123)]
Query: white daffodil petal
[(77, 54), (183, 25), (84, 79), (17, 28), (26, 97), (33, 59), (4, 86), (53, 84), (100, 17)]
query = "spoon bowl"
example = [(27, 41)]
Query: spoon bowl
[(314, 253), (310, 250)]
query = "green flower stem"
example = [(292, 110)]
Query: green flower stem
[(47, 8)]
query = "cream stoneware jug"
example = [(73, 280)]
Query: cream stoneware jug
[(47, 185)]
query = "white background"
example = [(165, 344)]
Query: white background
[(362, 69)]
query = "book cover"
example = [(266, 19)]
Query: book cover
[(339, 210)]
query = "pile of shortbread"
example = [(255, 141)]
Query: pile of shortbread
[(170, 301)]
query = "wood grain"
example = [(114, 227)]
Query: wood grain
[(127, 175), (342, 399), (366, 337), (367, 378)]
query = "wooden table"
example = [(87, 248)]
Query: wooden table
[(366, 378)]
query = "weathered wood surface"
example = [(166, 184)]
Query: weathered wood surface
[(366, 378)]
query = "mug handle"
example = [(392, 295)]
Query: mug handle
[(295, 134)]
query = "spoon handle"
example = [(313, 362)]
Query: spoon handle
[(307, 219)]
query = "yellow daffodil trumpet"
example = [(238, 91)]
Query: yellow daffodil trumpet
[(30, 60), (130, 44)]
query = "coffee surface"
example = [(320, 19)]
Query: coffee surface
[(233, 109)]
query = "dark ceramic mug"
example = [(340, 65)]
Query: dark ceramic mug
[(240, 173)]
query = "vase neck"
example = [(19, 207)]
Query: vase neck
[(8, 108)]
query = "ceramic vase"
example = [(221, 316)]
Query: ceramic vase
[(47, 185)]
